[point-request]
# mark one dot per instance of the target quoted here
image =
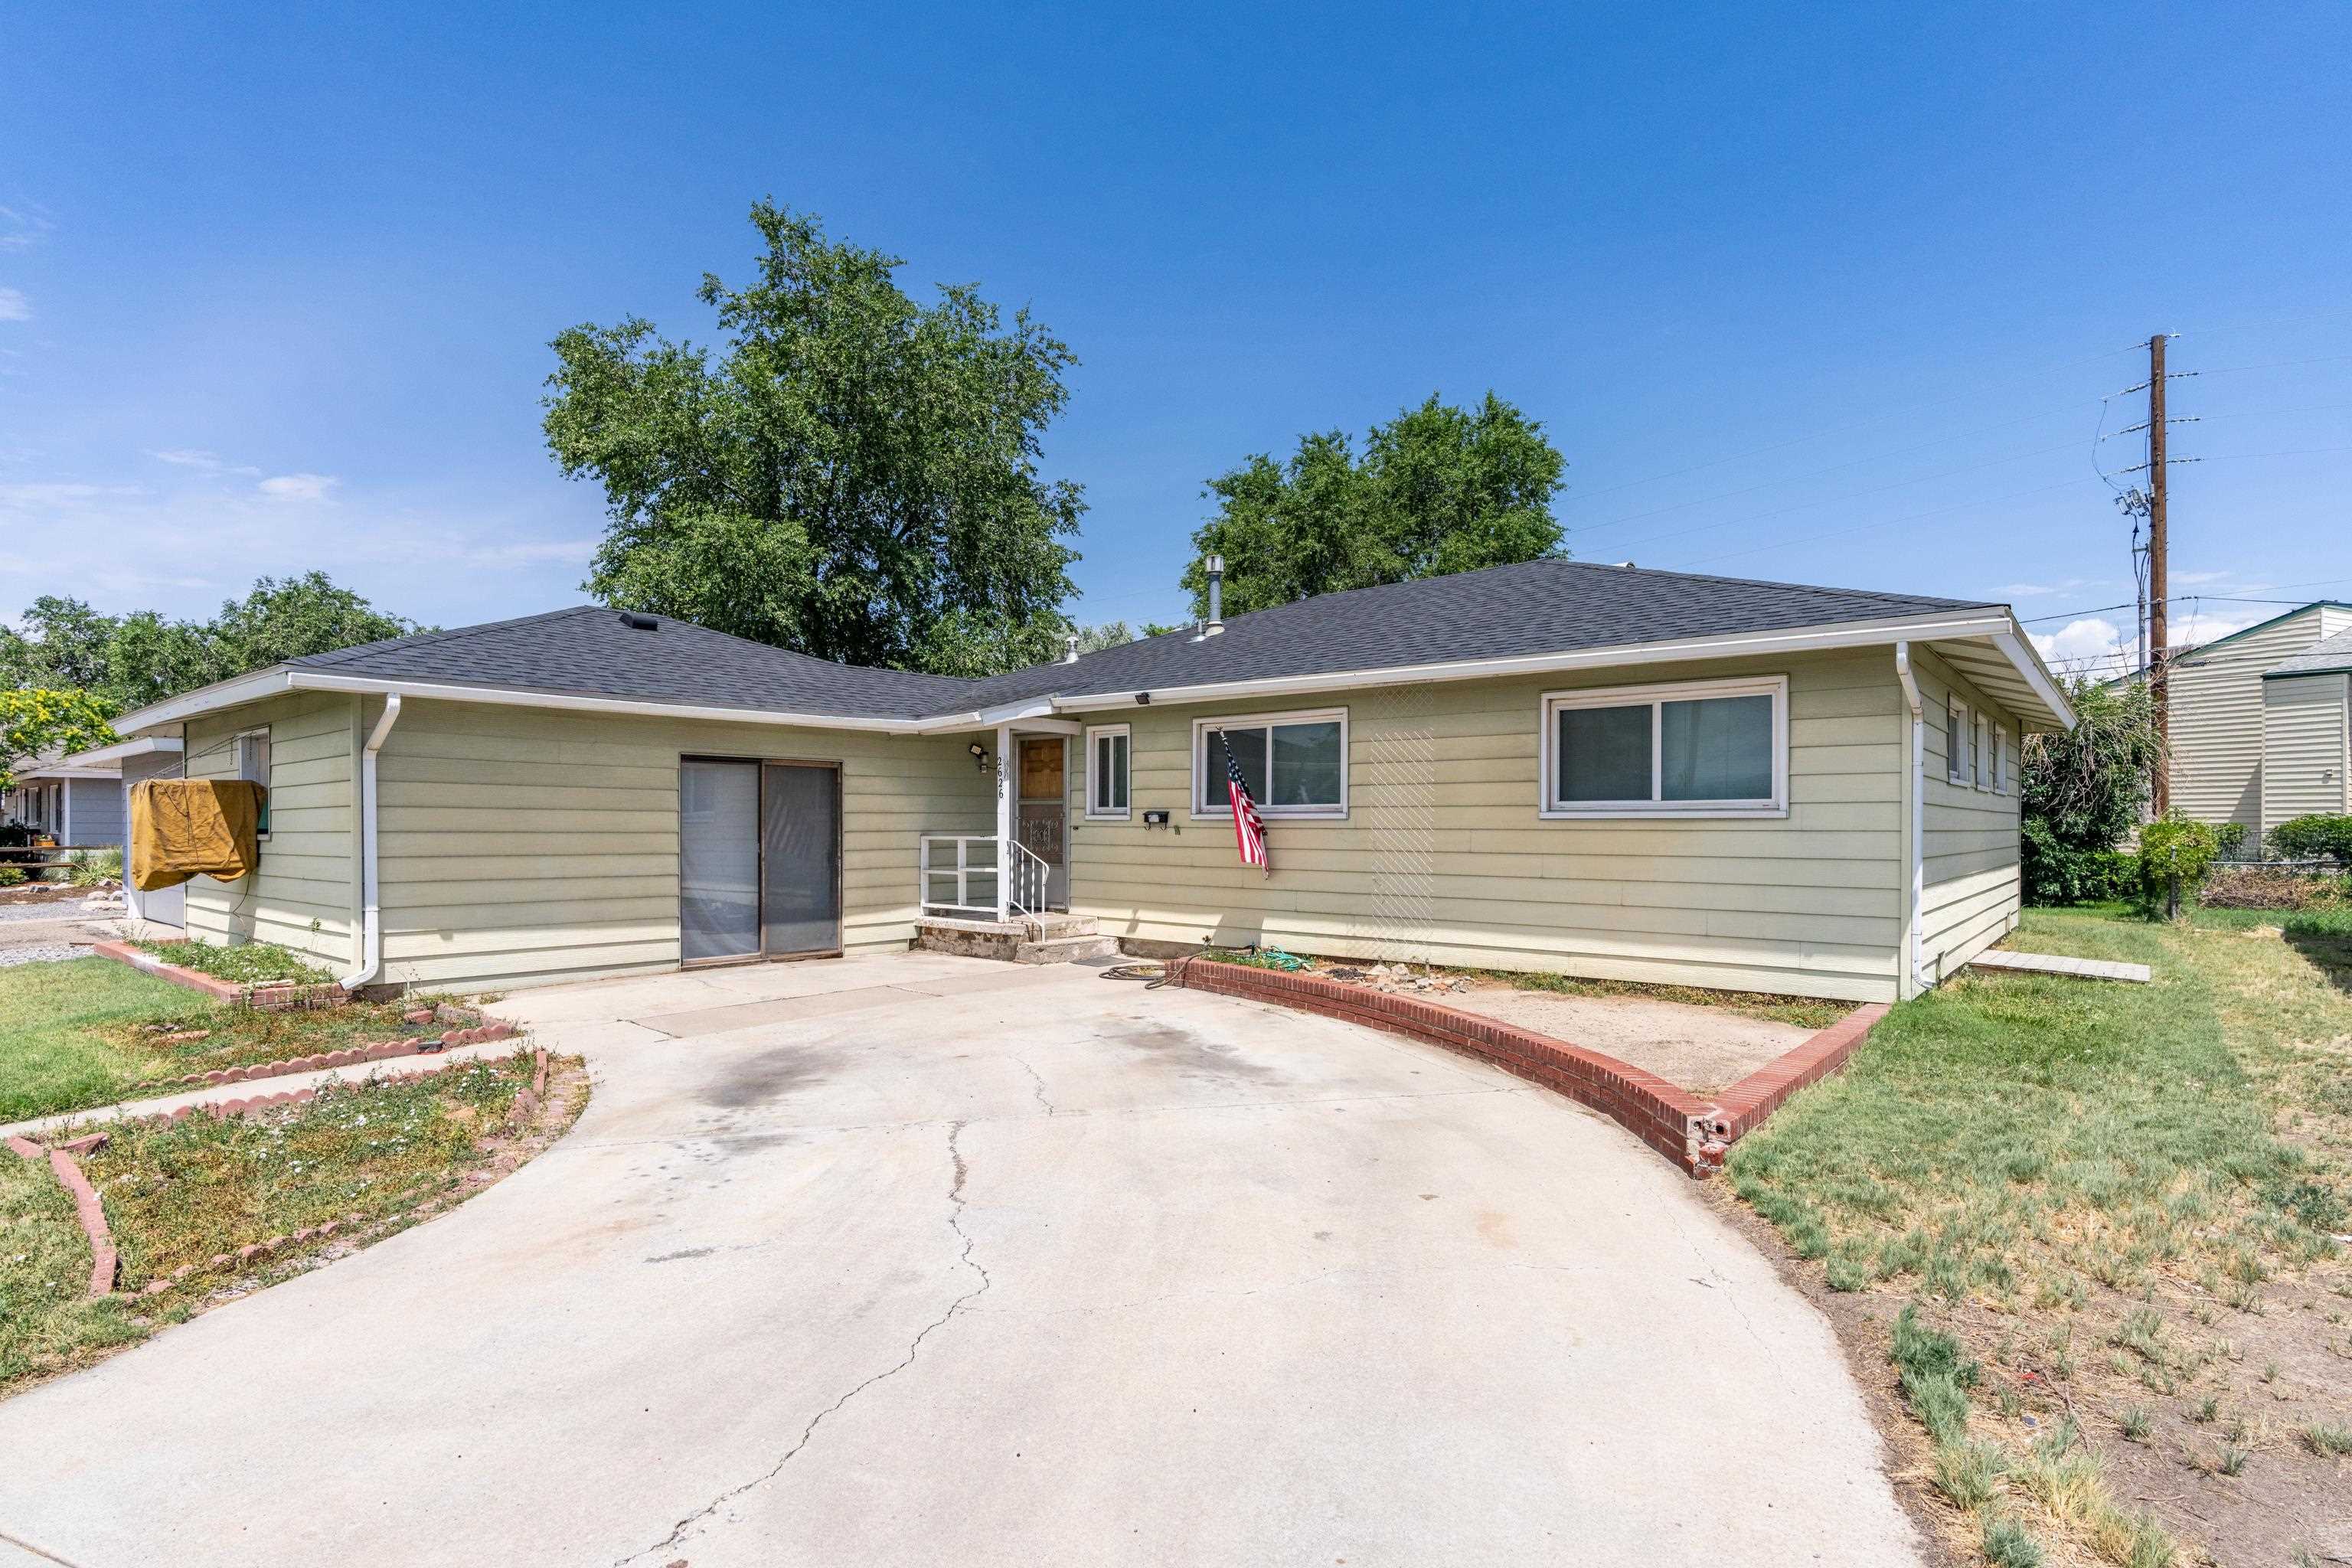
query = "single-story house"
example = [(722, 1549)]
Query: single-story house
[(2260, 721), (1594, 770), (75, 800)]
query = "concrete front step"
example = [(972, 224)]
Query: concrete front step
[(1066, 950), (1039, 939)]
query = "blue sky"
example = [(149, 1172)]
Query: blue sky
[(1830, 294)]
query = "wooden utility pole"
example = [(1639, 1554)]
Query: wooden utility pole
[(2158, 582)]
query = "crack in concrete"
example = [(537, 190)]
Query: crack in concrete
[(955, 1222), (1730, 1291), (1037, 1087), (37, 1551)]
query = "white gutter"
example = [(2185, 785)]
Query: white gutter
[(1915, 787), (371, 917), (98, 756)]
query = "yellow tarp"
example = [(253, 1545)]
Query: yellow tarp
[(193, 828)]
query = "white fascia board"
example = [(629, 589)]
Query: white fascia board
[(100, 756), (506, 697), (2021, 653), (1799, 640), (210, 699)]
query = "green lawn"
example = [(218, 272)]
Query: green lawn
[(2015, 1152), (178, 1195), (77, 1034)]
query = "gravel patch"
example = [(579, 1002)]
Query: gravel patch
[(48, 952)]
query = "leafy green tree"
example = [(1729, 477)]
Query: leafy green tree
[(1438, 489), (128, 661), (35, 722), (2083, 792), (853, 475)]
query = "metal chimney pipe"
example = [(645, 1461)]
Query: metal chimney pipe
[(1216, 593), (1070, 647)]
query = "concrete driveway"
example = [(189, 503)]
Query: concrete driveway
[(926, 1260)]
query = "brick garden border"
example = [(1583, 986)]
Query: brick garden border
[(481, 1032), (269, 996), (1691, 1131), (88, 1210)]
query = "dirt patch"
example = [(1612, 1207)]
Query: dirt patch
[(1703, 1050)]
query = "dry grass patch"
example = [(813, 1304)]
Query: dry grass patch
[(182, 1199), (2120, 1203)]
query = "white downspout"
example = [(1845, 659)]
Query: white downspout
[(371, 919), (1914, 791)]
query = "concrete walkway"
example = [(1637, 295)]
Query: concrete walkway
[(2052, 963), (925, 1260)]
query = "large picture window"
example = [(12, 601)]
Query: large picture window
[(1107, 771), (1294, 764), (1698, 749)]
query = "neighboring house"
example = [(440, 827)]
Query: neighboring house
[(1592, 770), (127, 763), (2258, 720), (74, 800)]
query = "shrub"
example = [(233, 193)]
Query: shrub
[(2314, 838), (249, 963), (11, 875), (91, 867), (2231, 837), (2082, 792), (2175, 854)]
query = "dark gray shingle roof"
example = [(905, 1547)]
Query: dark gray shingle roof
[(1538, 607), (2324, 658)]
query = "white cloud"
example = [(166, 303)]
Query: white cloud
[(203, 462), (298, 486), (2200, 576), (52, 495), (21, 228), (14, 306), (2091, 645)]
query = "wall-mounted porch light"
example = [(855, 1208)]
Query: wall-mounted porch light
[(979, 756)]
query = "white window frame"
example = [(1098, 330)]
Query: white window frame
[(1957, 721), (1202, 810), (1776, 687), (2000, 758), (1979, 729), (262, 829), (1096, 734)]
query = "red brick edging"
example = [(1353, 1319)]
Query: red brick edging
[(269, 996), (352, 1056), (1692, 1131), (87, 1208)]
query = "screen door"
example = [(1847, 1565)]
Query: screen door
[(718, 859), (799, 835)]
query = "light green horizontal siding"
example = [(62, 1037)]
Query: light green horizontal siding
[(1970, 890), (521, 845), (303, 894), (1442, 856)]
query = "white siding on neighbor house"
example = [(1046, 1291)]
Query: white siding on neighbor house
[(522, 846), (1968, 861), (303, 895), (1442, 856), (2305, 736), (2215, 699), (95, 807)]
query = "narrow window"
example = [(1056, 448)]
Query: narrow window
[(1107, 771), (2000, 758), (1977, 771), (1956, 741), (253, 763)]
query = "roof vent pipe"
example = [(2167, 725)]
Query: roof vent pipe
[(1216, 595), (1070, 647)]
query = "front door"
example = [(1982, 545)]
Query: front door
[(1042, 824), (759, 854)]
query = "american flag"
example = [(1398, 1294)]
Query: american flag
[(1249, 828)]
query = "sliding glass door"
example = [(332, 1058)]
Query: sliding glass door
[(759, 860), (800, 834)]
